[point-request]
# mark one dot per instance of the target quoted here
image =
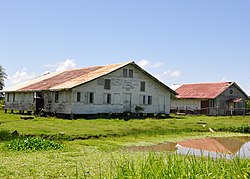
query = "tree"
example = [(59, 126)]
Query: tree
[(3, 76)]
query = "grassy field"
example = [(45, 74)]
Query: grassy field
[(96, 148)]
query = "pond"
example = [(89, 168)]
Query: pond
[(215, 147)]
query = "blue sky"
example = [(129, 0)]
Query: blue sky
[(178, 41)]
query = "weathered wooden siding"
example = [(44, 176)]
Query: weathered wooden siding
[(183, 104), (19, 101), (222, 100), (62, 105), (125, 93)]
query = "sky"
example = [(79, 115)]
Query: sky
[(177, 41)]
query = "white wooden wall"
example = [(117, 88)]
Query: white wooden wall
[(121, 87), (19, 101), (184, 103)]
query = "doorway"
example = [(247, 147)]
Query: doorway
[(161, 104), (39, 103), (127, 102)]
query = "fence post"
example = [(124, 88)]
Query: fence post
[(231, 111)]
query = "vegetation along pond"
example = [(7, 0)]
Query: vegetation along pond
[(216, 147)]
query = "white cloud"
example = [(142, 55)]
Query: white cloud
[(21, 76), (168, 75), (223, 79), (175, 73), (157, 65), (147, 64), (143, 63), (66, 65)]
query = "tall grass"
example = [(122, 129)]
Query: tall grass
[(165, 165)]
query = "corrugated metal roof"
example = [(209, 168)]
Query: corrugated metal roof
[(72, 78), (202, 90), (65, 79)]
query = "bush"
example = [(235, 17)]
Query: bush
[(6, 135), (33, 144)]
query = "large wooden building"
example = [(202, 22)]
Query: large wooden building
[(115, 88), (223, 98)]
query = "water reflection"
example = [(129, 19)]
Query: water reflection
[(214, 147)]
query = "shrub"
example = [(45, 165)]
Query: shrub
[(5, 135), (32, 144)]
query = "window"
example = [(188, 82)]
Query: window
[(128, 73), (125, 73), (211, 103), (56, 96), (131, 73), (231, 91), (91, 97), (146, 99), (78, 96), (142, 85), (107, 98), (149, 99), (14, 97), (107, 84), (8, 97)]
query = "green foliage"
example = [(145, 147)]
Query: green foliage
[(5, 135), (32, 144), (248, 104), (241, 129), (139, 108), (3, 76)]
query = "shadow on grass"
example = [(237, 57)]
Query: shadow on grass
[(6, 135)]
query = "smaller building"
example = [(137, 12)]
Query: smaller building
[(222, 98)]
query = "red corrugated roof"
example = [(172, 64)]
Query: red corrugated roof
[(72, 78), (202, 90)]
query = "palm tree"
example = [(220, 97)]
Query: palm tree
[(3, 76)]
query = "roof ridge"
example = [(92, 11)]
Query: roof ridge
[(230, 82)]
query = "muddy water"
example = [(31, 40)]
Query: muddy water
[(215, 147)]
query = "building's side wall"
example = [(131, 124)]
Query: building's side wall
[(125, 93), (19, 101), (231, 93), (183, 104), (61, 105)]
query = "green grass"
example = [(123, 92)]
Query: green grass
[(85, 129), (102, 153), (166, 165)]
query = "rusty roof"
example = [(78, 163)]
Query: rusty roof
[(203, 90), (72, 78)]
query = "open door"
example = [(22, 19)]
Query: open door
[(39, 102)]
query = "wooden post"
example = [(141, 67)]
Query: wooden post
[(231, 111)]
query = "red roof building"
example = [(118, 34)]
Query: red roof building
[(210, 98), (109, 89)]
